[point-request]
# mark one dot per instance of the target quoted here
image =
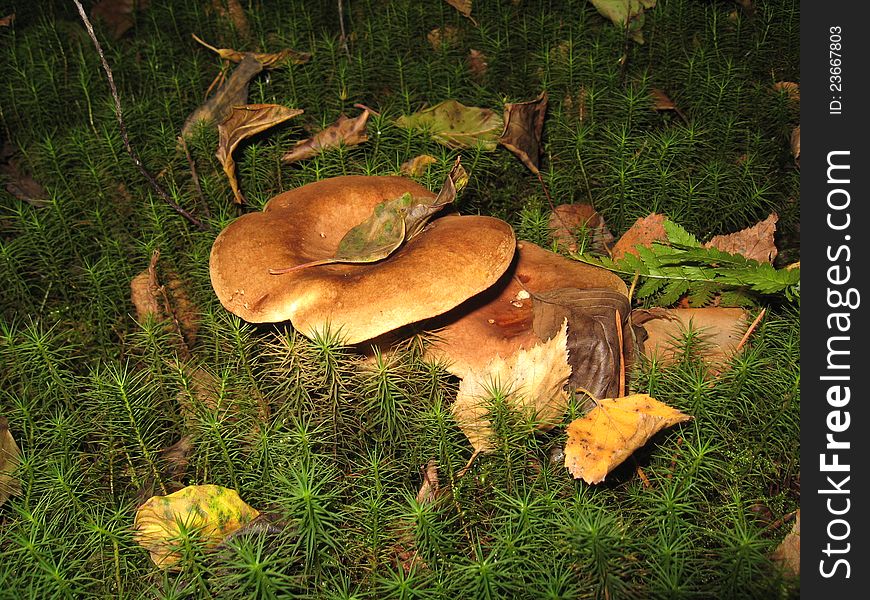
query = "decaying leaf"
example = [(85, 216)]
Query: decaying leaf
[(477, 64), (233, 92), (9, 458), (118, 15), (212, 511), (417, 166), (457, 126), (463, 6), (392, 223), (177, 457), (796, 144), (344, 132), (594, 351), (243, 122), (718, 330), (523, 127), (788, 553), (790, 88), (430, 487), (232, 11), (535, 380), (754, 242), (626, 14), (661, 101), (7, 20), (609, 433), (644, 232), (18, 182), (269, 60), (165, 299), (569, 220), (447, 35)]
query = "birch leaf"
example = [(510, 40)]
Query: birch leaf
[(269, 60), (609, 433), (243, 122), (211, 510), (344, 132), (455, 125), (523, 127), (627, 14)]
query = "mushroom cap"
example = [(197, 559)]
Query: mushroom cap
[(500, 320), (454, 258)]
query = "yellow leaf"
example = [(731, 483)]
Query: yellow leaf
[(211, 510), (269, 60), (243, 122), (535, 379), (417, 166), (609, 433), (455, 125)]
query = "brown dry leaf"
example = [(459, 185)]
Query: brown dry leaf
[(477, 64), (213, 511), (463, 6), (232, 11), (167, 302), (118, 15), (754, 242), (796, 144), (576, 102), (567, 220), (609, 433), (790, 88), (344, 132), (177, 457), (19, 183), (644, 232), (9, 459), (447, 35), (535, 380), (523, 127), (417, 166), (788, 553), (720, 330), (429, 489), (233, 92), (594, 352), (269, 60), (243, 122), (661, 101), (7, 20)]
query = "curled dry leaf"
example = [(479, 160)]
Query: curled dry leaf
[(211, 510), (269, 60), (430, 487), (661, 101), (463, 6), (243, 122), (7, 20), (644, 232), (118, 15), (569, 220), (477, 64), (18, 182), (796, 144), (788, 553), (523, 127), (447, 35), (455, 125), (417, 166), (344, 132), (604, 437), (9, 459), (535, 380), (754, 242), (233, 92)]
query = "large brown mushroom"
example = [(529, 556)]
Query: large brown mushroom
[(453, 259)]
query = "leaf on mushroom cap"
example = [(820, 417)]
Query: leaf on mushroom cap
[(454, 258), (500, 321)]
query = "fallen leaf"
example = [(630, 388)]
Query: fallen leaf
[(569, 220), (429, 488), (788, 553), (463, 6), (243, 122), (417, 166), (269, 60), (719, 331), (477, 64), (447, 35), (9, 459), (118, 16), (661, 101), (7, 20), (177, 457), (214, 512), (796, 144), (790, 89), (754, 242), (391, 223), (625, 14), (604, 437), (232, 11), (165, 300), (535, 380), (523, 127), (233, 92), (344, 132), (18, 182), (594, 352), (457, 126), (644, 232)]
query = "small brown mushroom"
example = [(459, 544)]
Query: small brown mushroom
[(453, 259), (500, 320)]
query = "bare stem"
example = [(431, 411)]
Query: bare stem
[(133, 154)]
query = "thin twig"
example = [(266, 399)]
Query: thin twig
[(750, 330), (133, 155), (341, 24), (195, 176), (621, 355)]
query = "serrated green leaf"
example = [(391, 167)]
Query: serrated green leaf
[(678, 235), (673, 292), (701, 295), (649, 287)]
